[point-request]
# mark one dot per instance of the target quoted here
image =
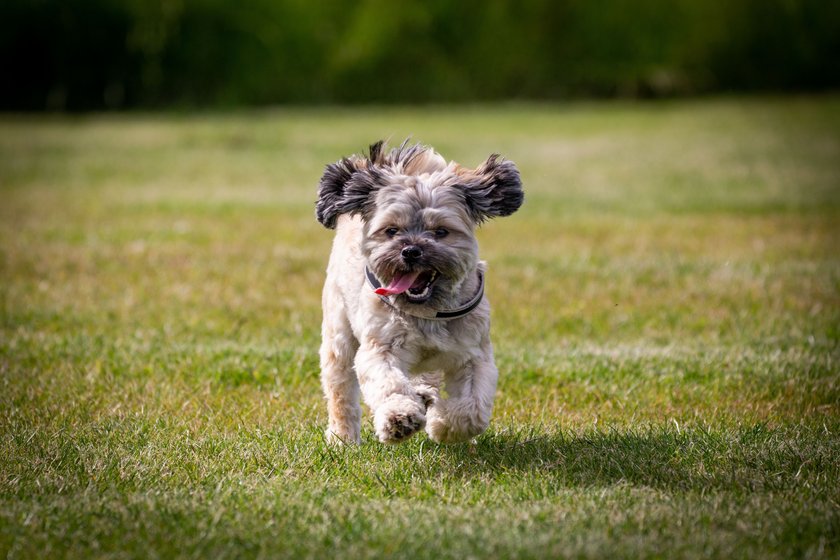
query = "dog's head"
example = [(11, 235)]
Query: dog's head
[(419, 213)]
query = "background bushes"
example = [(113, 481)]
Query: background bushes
[(94, 54)]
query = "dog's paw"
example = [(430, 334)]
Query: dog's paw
[(399, 418), (438, 429), (444, 427)]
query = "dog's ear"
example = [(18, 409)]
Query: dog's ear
[(493, 189), (331, 191), (347, 187)]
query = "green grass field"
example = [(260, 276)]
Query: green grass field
[(666, 311)]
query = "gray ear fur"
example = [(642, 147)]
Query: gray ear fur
[(346, 187), (496, 190), (331, 191)]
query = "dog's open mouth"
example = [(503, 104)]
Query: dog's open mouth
[(416, 285)]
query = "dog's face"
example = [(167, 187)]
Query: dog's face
[(419, 214), (420, 240)]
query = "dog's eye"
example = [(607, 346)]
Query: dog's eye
[(391, 231), (441, 232)]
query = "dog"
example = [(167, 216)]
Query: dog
[(406, 323)]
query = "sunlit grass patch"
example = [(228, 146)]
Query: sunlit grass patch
[(666, 317)]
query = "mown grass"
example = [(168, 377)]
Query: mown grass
[(666, 315)]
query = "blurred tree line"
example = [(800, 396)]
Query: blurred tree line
[(93, 54)]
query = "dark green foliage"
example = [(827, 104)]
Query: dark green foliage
[(90, 54)]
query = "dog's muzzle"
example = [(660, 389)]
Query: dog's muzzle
[(422, 311)]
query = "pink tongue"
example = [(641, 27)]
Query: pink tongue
[(398, 285)]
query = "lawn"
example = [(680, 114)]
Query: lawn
[(666, 310)]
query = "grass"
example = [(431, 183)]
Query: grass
[(666, 321)]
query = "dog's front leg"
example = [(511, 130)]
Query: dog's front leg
[(398, 409), (466, 412)]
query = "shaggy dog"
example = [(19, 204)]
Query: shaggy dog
[(404, 305)]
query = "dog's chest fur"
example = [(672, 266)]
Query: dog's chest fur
[(428, 345)]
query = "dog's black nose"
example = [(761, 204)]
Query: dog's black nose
[(411, 252)]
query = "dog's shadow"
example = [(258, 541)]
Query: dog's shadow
[(674, 459)]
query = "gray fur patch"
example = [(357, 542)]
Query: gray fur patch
[(497, 190), (331, 191)]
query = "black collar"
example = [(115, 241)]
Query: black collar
[(438, 315)]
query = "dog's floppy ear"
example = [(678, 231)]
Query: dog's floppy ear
[(331, 191), (493, 189), (346, 187)]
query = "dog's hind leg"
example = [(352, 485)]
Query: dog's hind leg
[(466, 411), (341, 387)]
